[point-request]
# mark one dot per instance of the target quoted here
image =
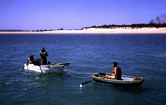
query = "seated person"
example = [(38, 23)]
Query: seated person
[(30, 59), (116, 72), (37, 62)]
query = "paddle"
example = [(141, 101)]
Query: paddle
[(24, 66), (65, 64), (21, 68), (81, 85), (41, 69)]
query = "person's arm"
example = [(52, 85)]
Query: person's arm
[(40, 53), (113, 72), (28, 61), (111, 76)]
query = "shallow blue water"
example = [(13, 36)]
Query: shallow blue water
[(137, 55)]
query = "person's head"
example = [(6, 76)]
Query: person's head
[(114, 64), (31, 55), (43, 49)]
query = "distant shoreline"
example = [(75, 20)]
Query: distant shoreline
[(127, 30)]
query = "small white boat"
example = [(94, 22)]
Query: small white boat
[(49, 68), (125, 80)]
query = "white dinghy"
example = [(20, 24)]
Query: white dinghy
[(49, 68)]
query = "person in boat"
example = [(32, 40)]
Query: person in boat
[(43, 56), (117, 73), (30, 59)]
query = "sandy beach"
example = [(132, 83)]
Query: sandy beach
[(98, 31)]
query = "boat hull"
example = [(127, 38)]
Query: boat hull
[(50, 68), (126, 80)]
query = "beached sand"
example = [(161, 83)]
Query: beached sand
[(99, 31)]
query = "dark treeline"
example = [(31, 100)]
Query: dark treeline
[(46, 30), (157, 25)]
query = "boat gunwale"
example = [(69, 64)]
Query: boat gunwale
[(52, 65), (45, 68)]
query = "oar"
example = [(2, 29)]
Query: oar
[(81, 85), (21, 68), (24, 66), (65, 64), (41, 69)]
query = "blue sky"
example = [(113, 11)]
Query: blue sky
[(75, 14)]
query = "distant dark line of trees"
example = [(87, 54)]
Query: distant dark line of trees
[(157, 25), (159, 21), (45, 30)]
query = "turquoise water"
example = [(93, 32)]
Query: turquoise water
[(137, 55)]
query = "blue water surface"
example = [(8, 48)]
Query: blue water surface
[(137, 55)]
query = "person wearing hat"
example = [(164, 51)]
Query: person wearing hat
[(43, 56)]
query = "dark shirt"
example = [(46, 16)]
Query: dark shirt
[(30, 60), (43, 55)]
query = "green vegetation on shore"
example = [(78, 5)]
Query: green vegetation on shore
[(159, 25)]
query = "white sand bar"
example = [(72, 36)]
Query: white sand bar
[(120, 30)]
